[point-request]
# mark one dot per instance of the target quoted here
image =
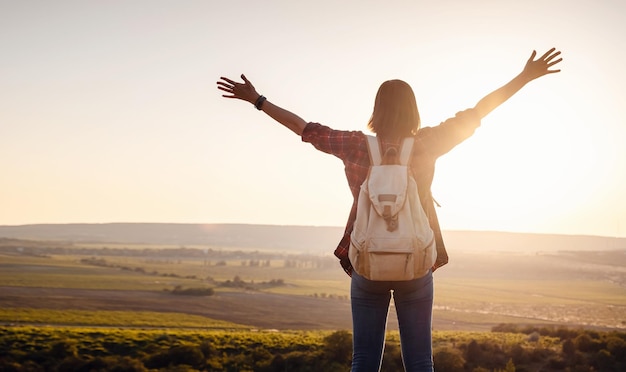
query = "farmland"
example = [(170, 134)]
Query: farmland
[(198, 307), (264, 289)]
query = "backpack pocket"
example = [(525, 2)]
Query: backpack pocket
[(391, 259), (390, 244), (387, 259), (391, 266)]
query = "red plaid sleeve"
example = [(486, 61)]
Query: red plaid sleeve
[(331, 141)]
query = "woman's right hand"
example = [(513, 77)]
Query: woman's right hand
[(244, 91)]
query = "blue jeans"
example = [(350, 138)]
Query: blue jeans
[(370, 306)]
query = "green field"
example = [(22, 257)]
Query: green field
[(66, 271), (473, 292), (102, 318)]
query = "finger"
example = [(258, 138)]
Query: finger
[(532, 56), (228, 80), (246, 81), (226, 89), (546, 54), (553, 56), (554, 62), (225, 96), (224, 84)]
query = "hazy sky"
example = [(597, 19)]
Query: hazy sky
[(109, 110)]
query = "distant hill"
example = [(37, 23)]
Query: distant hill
[(287, 238), (310, 239)]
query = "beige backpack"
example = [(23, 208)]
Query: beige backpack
[(392, 239)]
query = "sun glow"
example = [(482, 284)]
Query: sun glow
[(515, 176)]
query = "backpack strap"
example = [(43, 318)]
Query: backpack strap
[(407, 149), (374, 150)]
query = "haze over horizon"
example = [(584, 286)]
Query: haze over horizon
[(303, 239), (109, 111)]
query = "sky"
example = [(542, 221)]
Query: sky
[(109, 110)]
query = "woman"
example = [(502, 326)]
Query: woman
[(395, 117)]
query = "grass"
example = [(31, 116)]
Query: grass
[(30, 338), (68, 272), (311, 287), (268, 338), (539, 291), (113, 319)]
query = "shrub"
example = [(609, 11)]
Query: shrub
[(177, 355), (583, 342), (193, 291), (448, 360), (604, 361), (569, 349), (297, 361), (519, 355), (113, 364), (510, 367), (534, 336), (617, 347), (392, 358), (71, 363), (185, 354), (557, 363), (506, 328), (62, 349), (338, 347)]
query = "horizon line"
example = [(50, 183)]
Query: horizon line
[(285, 225)]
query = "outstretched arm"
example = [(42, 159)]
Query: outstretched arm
[(245, 91), (532, 70)]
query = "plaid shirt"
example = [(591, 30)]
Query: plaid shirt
[(430, 143)]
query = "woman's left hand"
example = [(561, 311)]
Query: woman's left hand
[(244, 91)]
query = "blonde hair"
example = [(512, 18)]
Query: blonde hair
[(395, 111)]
